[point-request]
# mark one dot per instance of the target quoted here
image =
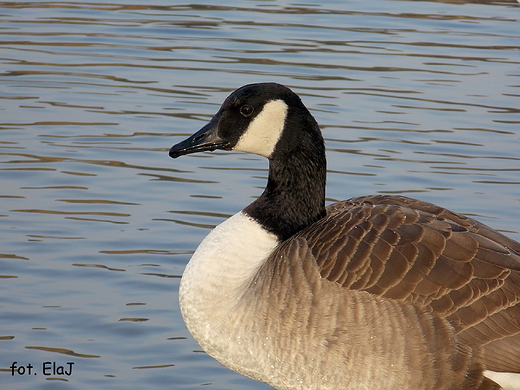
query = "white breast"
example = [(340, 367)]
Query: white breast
[(217, 276)]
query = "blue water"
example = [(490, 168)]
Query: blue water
[(97, 222)]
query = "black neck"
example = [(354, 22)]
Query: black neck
[(294, 197)]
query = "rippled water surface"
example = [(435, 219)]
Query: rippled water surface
[(97, 223)]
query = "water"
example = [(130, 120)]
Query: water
[(97, 222)]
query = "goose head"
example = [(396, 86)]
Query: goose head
[(270, 120), (265, 119)]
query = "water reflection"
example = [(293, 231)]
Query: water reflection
[(415, 97)]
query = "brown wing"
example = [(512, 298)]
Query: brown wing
[(405, 249)]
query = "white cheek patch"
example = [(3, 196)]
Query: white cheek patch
[(265, 130)]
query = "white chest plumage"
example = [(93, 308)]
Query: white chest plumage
[(217, 277)]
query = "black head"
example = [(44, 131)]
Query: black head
[(270, 120), (251, 119)]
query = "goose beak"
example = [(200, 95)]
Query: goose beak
[(206, 139)]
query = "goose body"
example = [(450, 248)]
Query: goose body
[(377, 292)]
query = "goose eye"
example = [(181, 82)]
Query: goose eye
[(246, 110)]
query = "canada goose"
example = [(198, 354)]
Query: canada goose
[(376, 292)]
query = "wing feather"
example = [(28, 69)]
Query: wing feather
[(404, 249)]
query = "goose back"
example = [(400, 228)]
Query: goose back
[(412, 251)]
